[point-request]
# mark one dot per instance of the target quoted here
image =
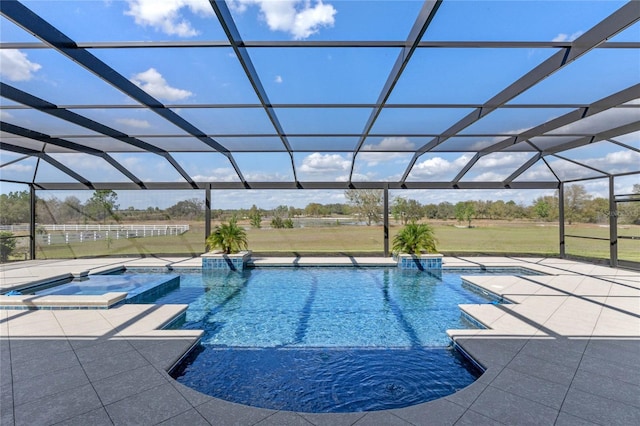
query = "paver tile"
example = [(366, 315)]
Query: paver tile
[(441, 411), (490, 351), (38, 347), (285, 418), (543, 368), (607, 387), (513, 409), (221, 412), (333, 419), (149, 407), (6, 417), (600, 366), (49, 383), (600, 410), (105, 348), (97, 417), (531, 387), (25, 369), (565, 419), (615, 351), (471, 418), (166, 354), (381, 418), (35, 329), (467, 396), (617, 325), (194, 397), (128, 383), (6, 397), (58, 407), (110, 366), (190, 418)]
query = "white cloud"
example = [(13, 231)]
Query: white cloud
[(538, 172), (278, 79), (566, 170), (387, 144), (622, 157), (496, 167), (567, 37), (624, 184), (152, 82), (438, 168), (130, 162), (165, 16), (83, 163), (615, 162), (270, 199), (604, 120), (267, 177), (18, 168), (299, 18), (220, 174), (524, 196), (357, 177), (133, 122), (16, 66), (391, 144), (374, 158), (502, 160), (5, 115), (630, 138), (322, 163), (489, 177)]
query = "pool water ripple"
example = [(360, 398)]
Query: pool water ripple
[(328, 379), (325, 339)]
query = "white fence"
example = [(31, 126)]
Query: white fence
[(65, 234)]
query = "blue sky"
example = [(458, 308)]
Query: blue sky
[(319, 75)]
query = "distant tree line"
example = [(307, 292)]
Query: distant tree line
[(365, 205)]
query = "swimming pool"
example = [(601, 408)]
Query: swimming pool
[(139, 287), (325, 339)]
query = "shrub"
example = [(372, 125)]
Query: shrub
[(7, 245), (415, 238), (277, 223), (229, 237)]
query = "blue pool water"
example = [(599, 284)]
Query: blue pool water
[(139, 287), (325, 339)]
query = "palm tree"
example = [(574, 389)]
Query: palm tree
[(230, 237), (415, 238)]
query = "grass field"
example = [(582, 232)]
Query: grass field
[(485, 238)]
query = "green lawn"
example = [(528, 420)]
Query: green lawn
[(485, 238), (190, 243)]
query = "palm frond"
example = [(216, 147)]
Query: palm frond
[(229, 237), (415, 238)]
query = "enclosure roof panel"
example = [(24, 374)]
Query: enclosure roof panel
[(318, 94)]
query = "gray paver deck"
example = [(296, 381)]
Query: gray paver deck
[(566, 352)]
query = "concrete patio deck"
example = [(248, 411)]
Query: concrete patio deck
[(566, 352)]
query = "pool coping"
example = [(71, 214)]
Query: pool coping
[(564, 352), (35, 302)]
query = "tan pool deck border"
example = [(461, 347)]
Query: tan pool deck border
[(566, 352)]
